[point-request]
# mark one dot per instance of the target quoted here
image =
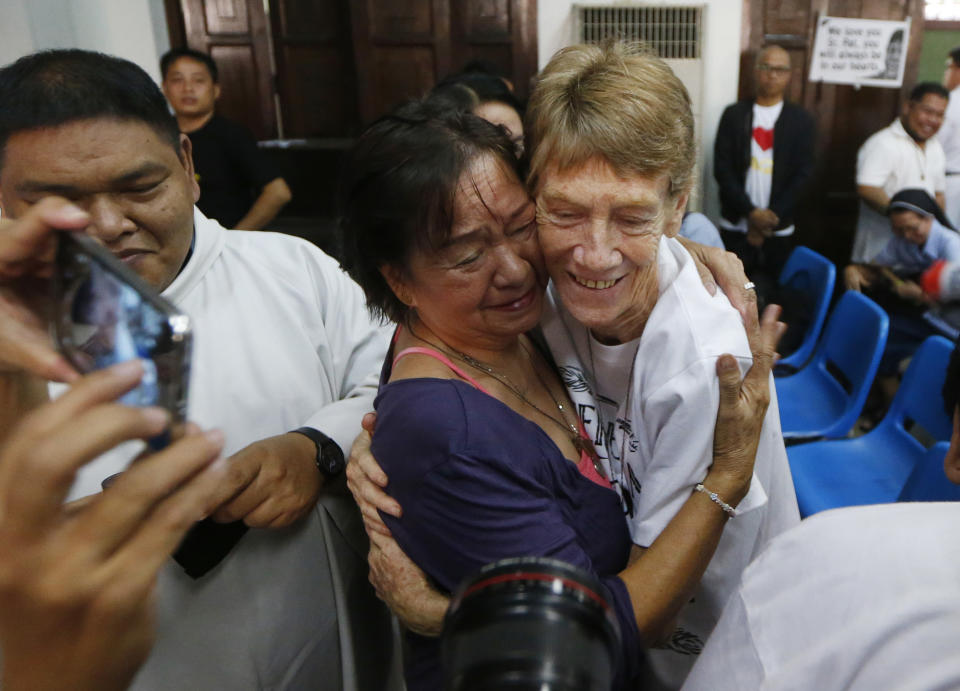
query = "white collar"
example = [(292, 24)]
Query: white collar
[(209, 238)]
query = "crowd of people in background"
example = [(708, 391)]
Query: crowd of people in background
[(534, 314)]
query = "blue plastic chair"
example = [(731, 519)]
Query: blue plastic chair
[(874, 468), (825, 398), (928, 482), (814, 276)]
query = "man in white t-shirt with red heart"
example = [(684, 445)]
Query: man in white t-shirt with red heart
[(763, 157)]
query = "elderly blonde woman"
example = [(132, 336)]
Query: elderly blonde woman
[(637, 338)]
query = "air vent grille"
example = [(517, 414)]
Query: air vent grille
[(673, 32)]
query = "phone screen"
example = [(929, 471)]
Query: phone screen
[(106, 317)]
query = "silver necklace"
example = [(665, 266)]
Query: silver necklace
[(579, 443)]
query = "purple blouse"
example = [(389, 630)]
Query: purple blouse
[(479, 482)]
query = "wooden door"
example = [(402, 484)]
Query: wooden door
[(845, 116), (402, 47), (316, 79), (235, 34)]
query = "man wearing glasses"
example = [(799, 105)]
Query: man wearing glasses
[(763, 157)]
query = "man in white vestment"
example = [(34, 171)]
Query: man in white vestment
[(284, 362)]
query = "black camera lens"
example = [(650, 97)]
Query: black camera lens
[(530, 623)]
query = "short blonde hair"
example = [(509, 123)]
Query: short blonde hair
[(616, 100)]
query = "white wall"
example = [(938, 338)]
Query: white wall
[(721, 59), (126, 28)]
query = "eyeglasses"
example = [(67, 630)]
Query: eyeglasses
[(776, 69)]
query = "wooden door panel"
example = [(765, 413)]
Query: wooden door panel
[(488, 18), (238, 93), (315, 72), (402, 20), (226, 17), (402, 72), (309, 20), (317, 92)]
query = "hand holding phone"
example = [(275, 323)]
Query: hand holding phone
[(105, 314)]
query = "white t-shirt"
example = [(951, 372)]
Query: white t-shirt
[(662, 434), (860, 598), (760, 173), (892, 160), (282, 339)]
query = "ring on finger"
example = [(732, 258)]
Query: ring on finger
[(749, 285)]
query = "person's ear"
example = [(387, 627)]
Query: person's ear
[(216, 92), (399, 284), (676, 215), (186, 160)]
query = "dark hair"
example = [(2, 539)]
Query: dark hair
[(923, 88), (955, 56), (171, 56), (454, 96), (56, 87), (488, 88), (481, 65), (398, 187), (951, 383)]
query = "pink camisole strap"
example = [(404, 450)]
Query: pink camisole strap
[(437, 355), (585, 466)]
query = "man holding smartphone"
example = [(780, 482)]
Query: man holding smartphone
[(285, 363)]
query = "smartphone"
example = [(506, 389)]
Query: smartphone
[(104, 314)]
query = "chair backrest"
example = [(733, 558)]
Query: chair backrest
[(850, 350), (812, 277), (918, 399), (928, 482)]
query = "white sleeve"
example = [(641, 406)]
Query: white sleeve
[(874, 163), (729, 661), (940, 174), (677, 420), (359, 345)]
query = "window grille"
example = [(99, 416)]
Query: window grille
[(673, 32)]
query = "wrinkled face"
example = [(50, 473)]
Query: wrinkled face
[(951, 75), (485, 286), (502, 114), (599, 233), (911, 226), (923, 118), (138, 190), (773, 73), (189, 87)]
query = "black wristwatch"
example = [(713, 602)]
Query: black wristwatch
[(330, 461)]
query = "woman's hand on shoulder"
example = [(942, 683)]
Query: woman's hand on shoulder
[(366, 481), (721, 268), (743, 405)]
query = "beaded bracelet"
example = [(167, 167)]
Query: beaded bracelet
[(715, 498)]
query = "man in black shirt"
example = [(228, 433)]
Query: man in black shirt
[(238, 187)]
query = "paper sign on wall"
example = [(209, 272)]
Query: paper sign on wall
[(866, 52)]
